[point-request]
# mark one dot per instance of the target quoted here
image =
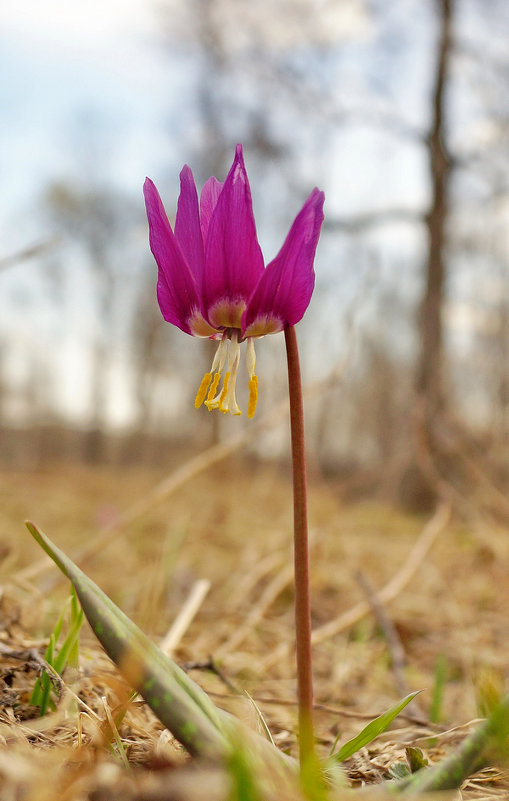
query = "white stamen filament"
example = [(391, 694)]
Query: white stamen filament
[(220, 355), (229, 402), (250, 357)]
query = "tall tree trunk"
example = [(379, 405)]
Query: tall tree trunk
[(418, 483), (429, 380)]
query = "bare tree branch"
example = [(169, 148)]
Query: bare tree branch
[(373, 219), (30, 252)]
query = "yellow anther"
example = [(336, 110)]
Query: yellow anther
[(253, 396), (213, 386), (202, 391), (224, 392)]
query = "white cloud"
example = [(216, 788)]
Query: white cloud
[(108, 34), (76, 24)]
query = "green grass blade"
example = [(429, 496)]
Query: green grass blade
[(69, 644), (41, 694), (76, 618), (372, 730), (58, 627), (35, 698), (177, 701), (441, 672), (46, 702), (334, 744), (42, 684), (45, 696)]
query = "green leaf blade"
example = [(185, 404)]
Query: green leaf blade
[(372, 730), (176, 700), (179, 703)]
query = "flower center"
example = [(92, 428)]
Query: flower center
[(224, 399)]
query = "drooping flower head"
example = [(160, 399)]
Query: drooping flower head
[(212, 281)]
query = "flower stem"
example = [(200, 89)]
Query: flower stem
[(301, 554)]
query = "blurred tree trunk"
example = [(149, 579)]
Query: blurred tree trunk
[(418, 487), (429, 379), (3, 383)]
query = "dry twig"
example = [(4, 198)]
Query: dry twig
[(388, 628), (391, 590), (185, 616)]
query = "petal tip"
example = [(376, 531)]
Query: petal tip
[(238, 168), (186, 172), (317, 196), (150, 192)]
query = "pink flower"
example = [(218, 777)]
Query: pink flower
[(212, 281)]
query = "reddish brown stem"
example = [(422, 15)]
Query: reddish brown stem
[(301, 553)]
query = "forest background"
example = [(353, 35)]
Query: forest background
[(398, 113)]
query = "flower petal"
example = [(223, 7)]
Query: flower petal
[(176, 287), (208, 201), (187, 224), (285, 288), (233, 259)]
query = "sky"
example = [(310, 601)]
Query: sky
[(73, 77), (72, 72), (66, 67)]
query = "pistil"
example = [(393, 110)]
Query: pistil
[(227, 400)]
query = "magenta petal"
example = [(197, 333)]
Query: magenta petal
[(187, 224), (176, 287), (285, 288), (208, 201), (233, 259)]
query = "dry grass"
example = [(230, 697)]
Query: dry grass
[(231, 525)]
